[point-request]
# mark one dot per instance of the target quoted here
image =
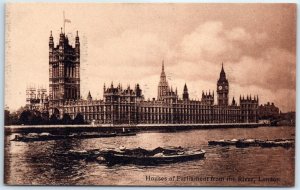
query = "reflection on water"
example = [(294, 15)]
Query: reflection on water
[(43, 163)]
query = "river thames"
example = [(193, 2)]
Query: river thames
[(39, 163)]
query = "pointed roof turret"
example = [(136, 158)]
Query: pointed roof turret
[(61, 37), (89, 97), (51, 43), (163, 87), (77, 43), (163, 79), (163, 74), (185, 95), (222, 70), (233, 102), (185, 88), (138, 90), (222, 75)]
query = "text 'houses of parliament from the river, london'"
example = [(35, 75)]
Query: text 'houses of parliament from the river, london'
[(127, 105)]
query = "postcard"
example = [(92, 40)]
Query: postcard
[(150, 94)]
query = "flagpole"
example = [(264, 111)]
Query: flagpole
[(64, 20)]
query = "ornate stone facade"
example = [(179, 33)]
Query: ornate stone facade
[(128, 106), (37, 99), (64, 72)]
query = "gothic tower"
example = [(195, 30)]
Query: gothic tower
[(222, 89), (64, 73), (185, 95), (163, 84)]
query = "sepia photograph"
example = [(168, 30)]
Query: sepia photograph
[(150, 94)]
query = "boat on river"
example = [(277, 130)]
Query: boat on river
[(244, 143), (31, 137), (156, 156), (223, 142), (287, 143), (126, 134), (37, 137), (88, 155), (95, 135)]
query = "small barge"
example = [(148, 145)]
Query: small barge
[(156, 156), (243, 143), (32, 137)]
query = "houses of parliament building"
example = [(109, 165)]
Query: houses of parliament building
[(128, 105)]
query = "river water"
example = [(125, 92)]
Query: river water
[(40, 163)]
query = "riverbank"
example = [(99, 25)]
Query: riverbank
[(109, 128)]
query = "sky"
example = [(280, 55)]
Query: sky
[(126, 43)]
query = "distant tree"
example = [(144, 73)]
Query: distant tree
[(7, 118), (79, 119), (14, 118), (66, 119), (45, 117), (36, 118), (54, 120), (26, 117), (31, 117)]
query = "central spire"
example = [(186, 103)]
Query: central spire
[(163, 83), (163, 74)]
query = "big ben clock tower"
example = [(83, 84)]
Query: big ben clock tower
[(222, 89)]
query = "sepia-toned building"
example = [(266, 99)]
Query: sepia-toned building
[(128, 106), (64, 72), (37, 99), (268, 110)]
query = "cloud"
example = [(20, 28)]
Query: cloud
[(251, 68), (237, 34), (205, 42), (129, 58), (132, 48), (275, 70), (211, 41)]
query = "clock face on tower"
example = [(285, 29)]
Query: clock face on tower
[(220, 87)]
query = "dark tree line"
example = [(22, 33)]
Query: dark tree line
[(34, 117)]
